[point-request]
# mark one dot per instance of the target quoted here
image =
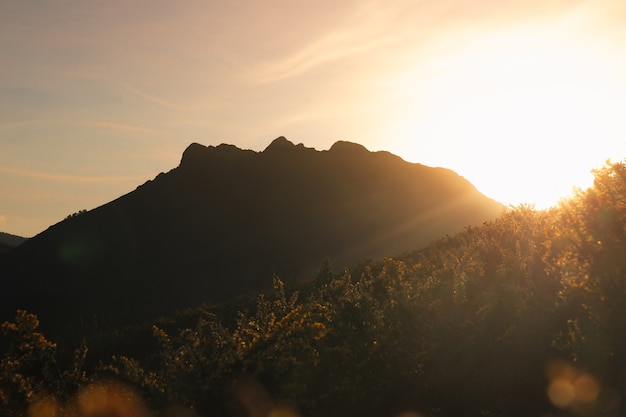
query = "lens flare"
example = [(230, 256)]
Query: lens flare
[(561, 392), (569, 387), (110, 398), (45, 407)]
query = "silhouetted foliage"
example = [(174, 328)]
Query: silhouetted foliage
[(75, 214)]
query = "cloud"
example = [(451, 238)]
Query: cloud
[(398, 29), (120, 127), (76, 179), (85, 123), (156, 100), (25, 123), (365, 30), (326, 49), (3, 219)]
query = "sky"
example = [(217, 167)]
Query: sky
[(521, 97)]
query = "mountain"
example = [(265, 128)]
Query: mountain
[(223, 222), (8, 241)]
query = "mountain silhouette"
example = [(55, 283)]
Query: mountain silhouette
[(224, 222), (8, 241)]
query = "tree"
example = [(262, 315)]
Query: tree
[(588, 254), (28, 370)]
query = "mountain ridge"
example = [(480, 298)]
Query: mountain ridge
[(224, 221)]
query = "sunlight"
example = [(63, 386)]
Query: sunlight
[(523, 116)]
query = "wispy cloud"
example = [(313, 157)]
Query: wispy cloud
[(120, 127), (26, 123), (372, 28), (366, 30), (65, 178), (157, 100), (327, 49), (85, 123)]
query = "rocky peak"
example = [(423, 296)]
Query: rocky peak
[(193, 154), (347, 147), (279, 144)]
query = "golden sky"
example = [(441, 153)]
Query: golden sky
[(521, 97)]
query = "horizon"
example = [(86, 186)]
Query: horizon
[(523, 100)]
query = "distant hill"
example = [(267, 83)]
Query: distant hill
[(224, 221), (8, 241)]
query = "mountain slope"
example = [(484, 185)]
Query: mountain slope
[(8, 241), (224, 221)]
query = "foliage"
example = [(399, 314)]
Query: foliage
[(520, 316), (29, 371), (75, 214), (588, 256)]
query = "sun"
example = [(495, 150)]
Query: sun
[(524, 116)]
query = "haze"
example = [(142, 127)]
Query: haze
[(523, 98)]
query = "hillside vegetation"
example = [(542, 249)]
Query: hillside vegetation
[(522, 316)]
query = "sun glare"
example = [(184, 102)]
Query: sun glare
[(525, 119)]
